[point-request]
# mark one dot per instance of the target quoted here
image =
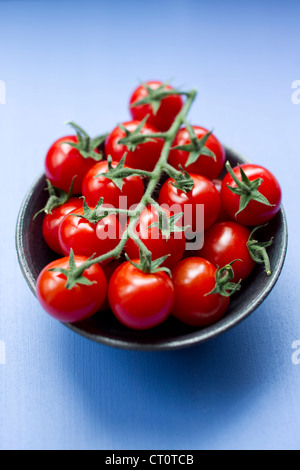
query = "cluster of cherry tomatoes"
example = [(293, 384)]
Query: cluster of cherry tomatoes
[(84, 176)]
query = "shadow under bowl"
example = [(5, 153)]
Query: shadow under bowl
[(34, 255)]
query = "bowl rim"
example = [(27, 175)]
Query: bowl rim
[(186, 340)]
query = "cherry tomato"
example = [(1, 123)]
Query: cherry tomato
[(94, 187), (52, 222), (167, 111), (225, 242), (193, 278), (139, 300), (76, 304), (63, 162), (203, 193), (205, 165), (223, 216), (160, 245), (144, 157), (255, 213), (86, 238)]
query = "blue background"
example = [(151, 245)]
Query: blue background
[(81, 60)]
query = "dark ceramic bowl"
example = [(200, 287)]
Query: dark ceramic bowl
[(34, 255)]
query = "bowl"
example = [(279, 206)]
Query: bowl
[(104, 328)]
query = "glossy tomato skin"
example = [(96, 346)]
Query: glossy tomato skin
[(144, 157), (79, 303), (205, 166), (94, 187), (86, 238), (52, 222), (203, 193), (168, 110), (138, 300), (193, 278), (223, 216), (255, 213), (63, 162), (225, 242), (153, 239)]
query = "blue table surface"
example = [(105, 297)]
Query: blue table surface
[(81, 60)]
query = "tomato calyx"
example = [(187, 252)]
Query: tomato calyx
[(74, 274), (134, 138), (168, 225), (223, 278), (197, 147), (257, 250), (246, 189), (149, 266), (120, 172), (182, 179), (57, 197), (86, 145), (155, 96), (93, 216)]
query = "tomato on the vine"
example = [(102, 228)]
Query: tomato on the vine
[(225, 242), (87, 238), (206, 165), (204, 193), (63, 162), (162, 113), (140, 300), (95, 186), (53, 220), (144, 156), (193, 280), (250, 194), (159, 243), (75, 304)]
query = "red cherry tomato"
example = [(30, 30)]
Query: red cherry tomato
[(63, 162), (139, 300), (205, 165), (52, 222), (155, 241), (168, 110), (193, 278), (94, 187), (256, 213), (72, 305), (225, 242), (86, 238), (204, 193), (144, 157)]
